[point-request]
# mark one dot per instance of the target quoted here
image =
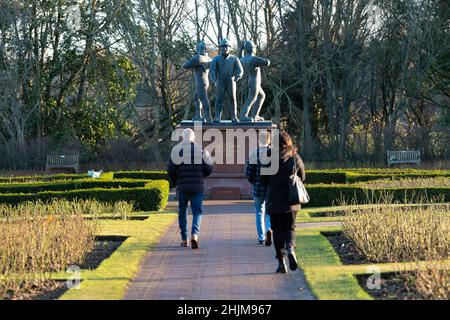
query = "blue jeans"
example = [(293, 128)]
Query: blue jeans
[(262, 220), (196, 200)]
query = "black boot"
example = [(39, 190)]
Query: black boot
[(282, 268), (292, 260), (268, 237)]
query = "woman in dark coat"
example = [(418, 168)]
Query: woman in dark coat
[(282, 215)]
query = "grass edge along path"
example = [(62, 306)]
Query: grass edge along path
[(110, 280), (325, 274), (314, 253)]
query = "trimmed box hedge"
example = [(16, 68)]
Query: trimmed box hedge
[(353, 177), (328, 195), (146, 175), (361, 175), (325, 176), (68, 185), (153, 196), (312, 176), (396, 171), (54, 177)]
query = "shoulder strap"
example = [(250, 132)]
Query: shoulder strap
[(294, 170)]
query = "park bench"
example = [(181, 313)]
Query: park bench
[(62, 162), (399, 157)]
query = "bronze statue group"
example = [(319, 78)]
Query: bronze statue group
[(225, 70)]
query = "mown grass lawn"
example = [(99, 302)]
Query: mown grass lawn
[(111, 278)]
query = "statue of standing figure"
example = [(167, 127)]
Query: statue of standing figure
[(200, 63), (226, 70), (256, 95)]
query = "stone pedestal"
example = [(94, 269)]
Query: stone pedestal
[(228, 181)]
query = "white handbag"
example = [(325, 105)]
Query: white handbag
[(297, 190)]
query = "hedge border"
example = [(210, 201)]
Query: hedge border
[(68, 185), (328, 195), (152, 197), (353, 177), (142, 174), (337, 176), (55, 177)]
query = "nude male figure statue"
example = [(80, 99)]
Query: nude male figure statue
[(256, 95), (200, 64)]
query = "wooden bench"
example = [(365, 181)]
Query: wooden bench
[(394, 157), (63, 162)]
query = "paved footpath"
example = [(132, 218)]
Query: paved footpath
[(230, 264)]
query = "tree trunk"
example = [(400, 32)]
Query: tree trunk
[(307, 131)]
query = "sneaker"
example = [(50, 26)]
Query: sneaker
[(281, 267), (268, 238), (184, 243), (261, 241), (292, 260)]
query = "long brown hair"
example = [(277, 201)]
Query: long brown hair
[(287, 148)]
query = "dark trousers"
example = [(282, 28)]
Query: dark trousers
[(283, 227)]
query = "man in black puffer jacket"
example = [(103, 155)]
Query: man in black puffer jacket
[(188, 173)]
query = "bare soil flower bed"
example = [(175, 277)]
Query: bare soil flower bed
[(49, 290), (103, 249), (393, 286), (398, 234), (53, 289), (340, 213), (345, 248), (431, 283)]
